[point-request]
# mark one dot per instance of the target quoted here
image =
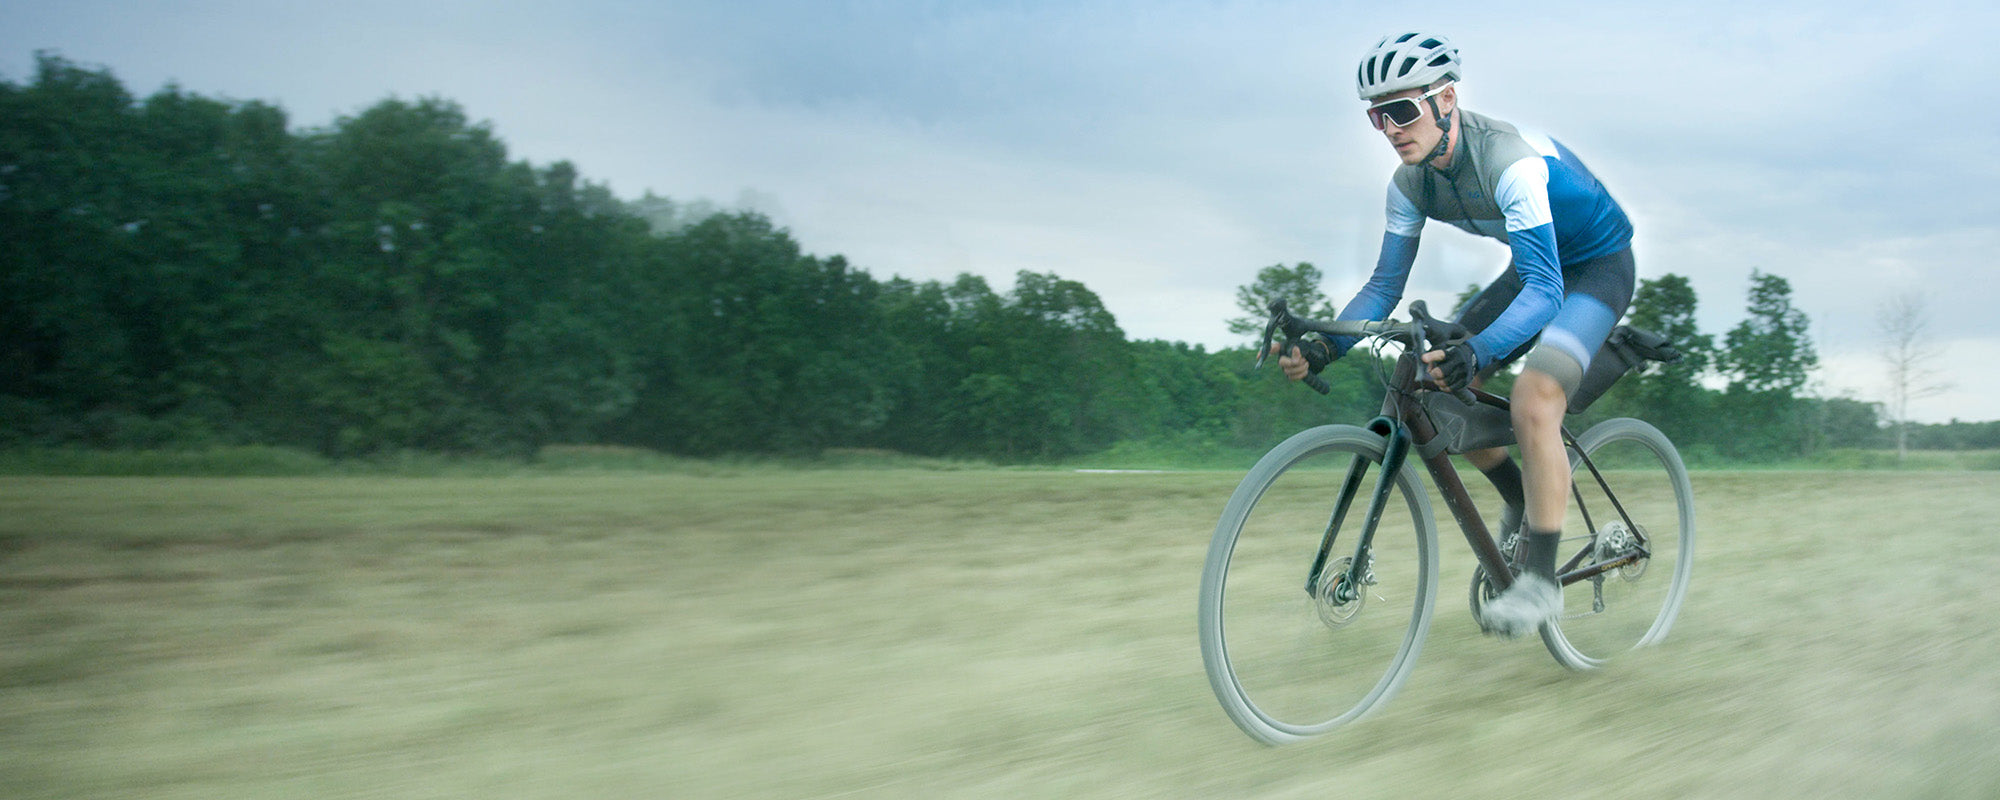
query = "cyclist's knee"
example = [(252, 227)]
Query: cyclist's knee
[(1557, 364), (1539, 401)]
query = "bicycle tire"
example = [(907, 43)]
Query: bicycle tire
[(1633, 606), (1285, 664)]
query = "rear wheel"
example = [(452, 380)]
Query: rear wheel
[(1632, 523), (1291, 654)]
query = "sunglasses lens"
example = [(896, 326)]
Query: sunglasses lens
[(1402, 112)]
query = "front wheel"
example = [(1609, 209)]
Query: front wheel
[(1292, 652), (1634, 508)]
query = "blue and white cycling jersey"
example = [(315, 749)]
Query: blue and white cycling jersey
[(1520, 187)]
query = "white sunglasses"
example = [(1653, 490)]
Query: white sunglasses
[(1403, 110)]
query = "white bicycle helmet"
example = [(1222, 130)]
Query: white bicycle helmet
[(1406, 61)]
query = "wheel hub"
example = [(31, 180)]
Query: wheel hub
[(1339, 600)]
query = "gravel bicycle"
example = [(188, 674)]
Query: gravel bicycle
[(1313, 610)]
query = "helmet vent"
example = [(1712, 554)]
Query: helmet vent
[(1405, 61)]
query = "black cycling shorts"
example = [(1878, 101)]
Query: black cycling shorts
[(1596, 293)]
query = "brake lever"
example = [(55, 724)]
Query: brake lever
[(1420, 319), (1281, 317), (1421, 322), (1264, 349)]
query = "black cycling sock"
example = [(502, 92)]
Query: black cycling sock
[(1541, 558), (1506, 477)]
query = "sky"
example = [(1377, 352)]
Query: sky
[(1163, 152)]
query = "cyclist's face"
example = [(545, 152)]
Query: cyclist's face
[(1416, 140)]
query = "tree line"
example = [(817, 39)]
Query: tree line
[(184, 271), (179, 270)]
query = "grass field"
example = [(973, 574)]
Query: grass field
[(762, 632)]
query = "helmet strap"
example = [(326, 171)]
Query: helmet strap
[(1444, 139)]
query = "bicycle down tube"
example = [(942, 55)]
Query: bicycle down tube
[(1445, 476)]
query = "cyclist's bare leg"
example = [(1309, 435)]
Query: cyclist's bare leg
[(1538, 404)]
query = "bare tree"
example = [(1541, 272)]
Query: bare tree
[(1908, 352)]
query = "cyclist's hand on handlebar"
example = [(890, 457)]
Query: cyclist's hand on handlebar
[(1453, 366), (1298, 363), (1293, 363)]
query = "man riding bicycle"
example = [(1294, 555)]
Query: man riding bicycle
[(1570, 279)]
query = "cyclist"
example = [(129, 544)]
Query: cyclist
[(1570, 279)]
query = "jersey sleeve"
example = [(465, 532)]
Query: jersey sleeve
[(1404, 218), (1523, 196), (1384, 289)]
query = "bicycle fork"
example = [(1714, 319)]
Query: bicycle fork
[(1347, 587)]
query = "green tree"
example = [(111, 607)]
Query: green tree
[(65, 159), (923, 364), (1297, 285), (1771, 350), (1769, 360), (138, 244), (407, 258), (1847, 422), (1183, 393), (1047, 369)]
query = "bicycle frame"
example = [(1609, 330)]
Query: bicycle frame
[(1404, 425)]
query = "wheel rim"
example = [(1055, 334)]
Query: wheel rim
[(1289, 664)]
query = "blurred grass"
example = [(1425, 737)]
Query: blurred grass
[(1193, 452), (1848, 458), (266, 461), (892, 632)]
